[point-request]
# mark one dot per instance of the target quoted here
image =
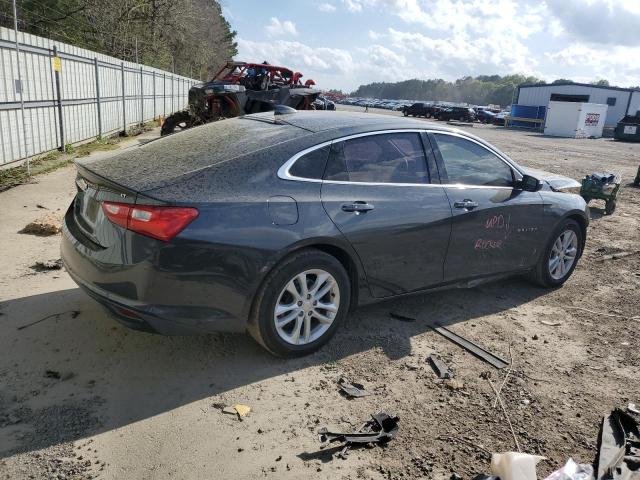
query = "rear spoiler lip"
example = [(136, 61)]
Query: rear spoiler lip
[(127, 194)]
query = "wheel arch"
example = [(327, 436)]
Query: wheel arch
[(582, 221), (345, 255)]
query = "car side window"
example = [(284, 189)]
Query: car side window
[(311, 165), (384, 158), (468, 163)]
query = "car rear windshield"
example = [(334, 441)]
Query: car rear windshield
[(162, 161)]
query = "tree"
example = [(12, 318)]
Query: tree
[(480, 90), (190, 37), (602, 82)]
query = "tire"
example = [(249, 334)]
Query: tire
[(610, 207), (405, 113), (176, 122), (461, 119), (281, 341), (542, 273)]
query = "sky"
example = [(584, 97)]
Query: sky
[(345, 43)]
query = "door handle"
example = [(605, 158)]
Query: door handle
[(466, 204), (357, 207)]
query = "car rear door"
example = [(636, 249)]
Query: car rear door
[(496, 228), (377, 191)]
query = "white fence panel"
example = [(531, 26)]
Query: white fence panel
[(99, 95)]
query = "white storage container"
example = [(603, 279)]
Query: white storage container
[(575, 120)]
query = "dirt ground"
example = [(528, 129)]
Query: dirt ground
[(83, 397)]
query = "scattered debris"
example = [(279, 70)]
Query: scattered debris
[(74, 314), (41, 206), (402, 318), (352, 390), (454, 384), (612, 315), (572, 471), (476, 350), (52, 374), (482, 476), (50, 224), (47, 265), (619, 452), (439, 367), (380, 429), (506, 415), (238, 409), (616, 256), (550, 324), (506, 377), (633, 408), (515, 465)]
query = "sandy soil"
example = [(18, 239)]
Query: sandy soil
[(133, 405)]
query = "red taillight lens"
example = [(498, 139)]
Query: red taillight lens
[(162, 223)]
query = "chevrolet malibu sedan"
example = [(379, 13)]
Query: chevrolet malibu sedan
[(280, 224)]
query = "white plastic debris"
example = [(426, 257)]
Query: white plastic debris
[(515, 465), (572, 471)]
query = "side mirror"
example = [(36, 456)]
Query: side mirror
[(529, 184)]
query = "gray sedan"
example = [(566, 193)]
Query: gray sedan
[(279, 224)]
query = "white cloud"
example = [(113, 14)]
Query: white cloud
[(326, 8), (579, 39), (277, 28), (599, 21)]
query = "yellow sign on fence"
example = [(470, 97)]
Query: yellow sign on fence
[(57, 64)]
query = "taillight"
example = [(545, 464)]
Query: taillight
[(162, 223)]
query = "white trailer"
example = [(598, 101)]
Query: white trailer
[(575, 119)]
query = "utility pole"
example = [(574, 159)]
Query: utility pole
[(20, 85), (137, 61)]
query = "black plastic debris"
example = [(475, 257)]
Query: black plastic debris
[(380, 429), (52, 374), (482, 476), (619, 452), (352, 389), (439, 367)]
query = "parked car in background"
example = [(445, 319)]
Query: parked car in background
[(461, 114), (418, 109), (280, 227), (499, 118), (485, 116), (323, 103)]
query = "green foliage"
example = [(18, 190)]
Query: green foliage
[(190, 37), (480, 90)]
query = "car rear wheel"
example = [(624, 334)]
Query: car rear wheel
[(560, 257), (301, 304)]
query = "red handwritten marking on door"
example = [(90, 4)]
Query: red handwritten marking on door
[(487, 244), (498, 222)]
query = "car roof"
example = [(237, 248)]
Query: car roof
[(344, 122)]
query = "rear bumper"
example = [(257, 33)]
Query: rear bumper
[(146, 295)]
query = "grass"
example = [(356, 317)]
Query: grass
[(12, 177)]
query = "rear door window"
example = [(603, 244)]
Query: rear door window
[(311, 165), (384, 158), (466, 162)]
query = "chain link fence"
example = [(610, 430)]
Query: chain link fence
[(71, 94)]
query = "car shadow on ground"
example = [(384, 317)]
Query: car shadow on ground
[(71, 376)]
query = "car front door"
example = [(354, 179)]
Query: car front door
[(496, 228), (377, 191)]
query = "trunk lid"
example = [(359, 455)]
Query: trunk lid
[(89, 217)]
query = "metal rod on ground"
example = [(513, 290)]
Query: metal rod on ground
[(24, 126)]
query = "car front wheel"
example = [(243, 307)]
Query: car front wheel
[(301, 304), (560, 257)]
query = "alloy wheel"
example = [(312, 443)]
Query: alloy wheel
[(563, 254), (306, 307)]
